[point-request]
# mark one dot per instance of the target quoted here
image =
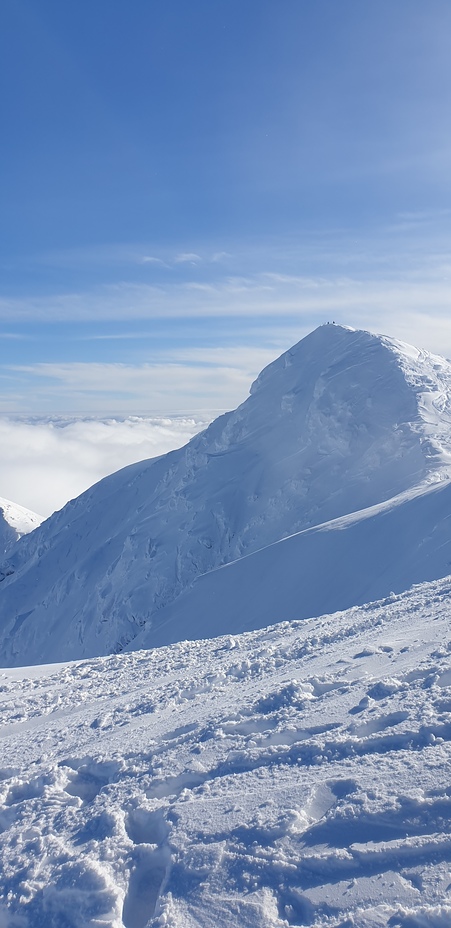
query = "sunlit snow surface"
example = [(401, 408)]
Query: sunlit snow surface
[(344, 444), (15, 521), (296, 775)]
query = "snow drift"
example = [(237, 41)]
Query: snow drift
[(345, 426)]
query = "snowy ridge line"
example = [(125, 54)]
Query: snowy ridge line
[(310, 571), (352, 518)]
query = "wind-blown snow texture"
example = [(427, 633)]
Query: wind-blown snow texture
[(299, 775), (15, 521), (345, 422)]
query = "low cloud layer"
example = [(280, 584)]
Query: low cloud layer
[(46, 462)]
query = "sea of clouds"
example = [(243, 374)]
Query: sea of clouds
[(47, 461)]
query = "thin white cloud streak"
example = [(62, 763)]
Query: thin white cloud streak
[(189, 257), (423, 215), (44, 463), (249, 360), (269, 294), (133, 253), (150, 259), (155, 388), (220, 256)]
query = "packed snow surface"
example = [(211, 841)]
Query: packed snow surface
[(330, 485), (15, 521), (295, 775)]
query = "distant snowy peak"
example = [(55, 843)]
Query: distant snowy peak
[(15, 521), (343, 421)]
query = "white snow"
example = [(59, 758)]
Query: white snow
[(345, 426), (348, 561), (15, 521), (295, 775)]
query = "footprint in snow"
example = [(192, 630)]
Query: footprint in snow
[(149, 872), (146, 827), (88, 777), (150, 865)]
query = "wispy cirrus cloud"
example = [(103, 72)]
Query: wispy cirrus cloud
[(218, 256), (267, 294), (181, 381), (150, 259), (188, 257), (121, 255), (423, 215)]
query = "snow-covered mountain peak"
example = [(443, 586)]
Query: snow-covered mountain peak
[(15, 521), (342, 422), (414, 384), (341, 349), (364, 400)]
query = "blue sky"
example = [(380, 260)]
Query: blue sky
[(188, 188)]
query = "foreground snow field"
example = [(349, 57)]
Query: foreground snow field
[(296, 775)]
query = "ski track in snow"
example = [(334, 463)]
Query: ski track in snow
[(296, 775)]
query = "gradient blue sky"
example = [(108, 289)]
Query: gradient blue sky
[(187, 188)]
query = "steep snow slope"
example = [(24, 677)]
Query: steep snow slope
[(298, 775), (349, 561), (15, 521), (341, 422)]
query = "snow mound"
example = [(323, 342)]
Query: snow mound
[(15, 521), (342, 422), (296, 775)]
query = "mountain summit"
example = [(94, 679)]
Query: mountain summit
[(343, 427)]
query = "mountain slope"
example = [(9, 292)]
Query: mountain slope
[(296, 775), (346, 562), (15, 521), (343, 421)]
